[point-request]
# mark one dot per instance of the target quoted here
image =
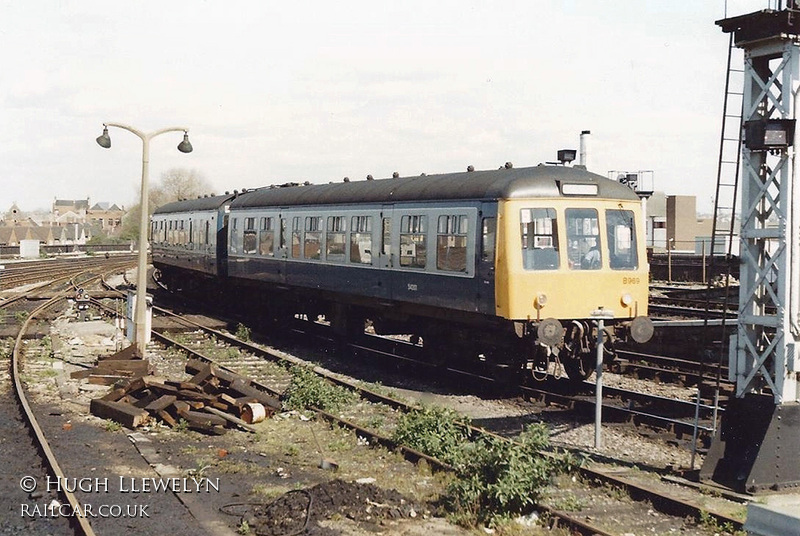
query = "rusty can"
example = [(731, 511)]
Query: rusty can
[(253, 412)]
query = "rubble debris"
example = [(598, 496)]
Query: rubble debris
[(212, 401), (302, 510)]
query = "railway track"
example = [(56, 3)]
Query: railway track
[(251, 362), (620, 404), (34, 505), (63, 286), (17, 273)]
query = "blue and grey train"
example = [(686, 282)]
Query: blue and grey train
[(504, 266)]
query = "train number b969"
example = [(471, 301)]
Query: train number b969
[(630, 280)]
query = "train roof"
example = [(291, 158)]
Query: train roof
[(539, 181), (194, 205)]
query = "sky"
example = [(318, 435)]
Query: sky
[(274, 92)]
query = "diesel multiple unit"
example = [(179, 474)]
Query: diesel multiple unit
[(507, 266)]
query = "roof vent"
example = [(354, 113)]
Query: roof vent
[(346, 179), (509, 165), (470, 168), (370, 178), (396, 175), (307, 183)]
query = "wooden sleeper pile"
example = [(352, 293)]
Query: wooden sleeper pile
[(212, 401)]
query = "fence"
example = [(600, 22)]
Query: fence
[(691, 267)]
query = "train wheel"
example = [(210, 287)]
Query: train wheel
[(436, 350), (579, 366)]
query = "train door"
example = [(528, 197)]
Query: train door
[(386, 250), (282, 245), (485, 258), (222, 243)]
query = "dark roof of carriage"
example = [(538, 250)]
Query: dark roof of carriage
[(539, 181), (192, 205)]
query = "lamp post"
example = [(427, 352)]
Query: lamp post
[(140, 314)]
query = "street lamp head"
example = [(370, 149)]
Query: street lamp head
[(104, 141), (184, 146)]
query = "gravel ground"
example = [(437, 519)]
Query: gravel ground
[(256, 469), (284, 455)]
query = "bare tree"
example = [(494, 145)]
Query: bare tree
[(175, 184)]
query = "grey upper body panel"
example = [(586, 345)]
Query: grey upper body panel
[(194, 205), (532, 182)]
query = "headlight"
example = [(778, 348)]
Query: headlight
[(626, 300), (540, 300)]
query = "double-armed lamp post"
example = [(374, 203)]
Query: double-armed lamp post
[(140, 315)]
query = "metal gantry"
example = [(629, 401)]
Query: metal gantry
[(768, 321), (756, 447)]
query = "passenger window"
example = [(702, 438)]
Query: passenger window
[(313, 241), (235, 242), (413, 249), (335, 238), (266, 237), (282, 234), (296, 237), (386, 236), (539, 233), (583, 239), (488, 239), (249, 244), (451, 243), (621, 235), (361, 239), (182, 234)]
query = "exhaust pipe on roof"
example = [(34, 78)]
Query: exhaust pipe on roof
[(582, 160)]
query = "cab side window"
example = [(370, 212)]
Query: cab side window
[(621, 236)]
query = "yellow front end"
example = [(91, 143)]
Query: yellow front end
[(565, 258)]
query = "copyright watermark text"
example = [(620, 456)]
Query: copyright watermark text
[(56, 509)]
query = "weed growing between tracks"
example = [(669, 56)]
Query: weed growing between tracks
[(495, 479), (243, 332), (308, 389), (712, 524)]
